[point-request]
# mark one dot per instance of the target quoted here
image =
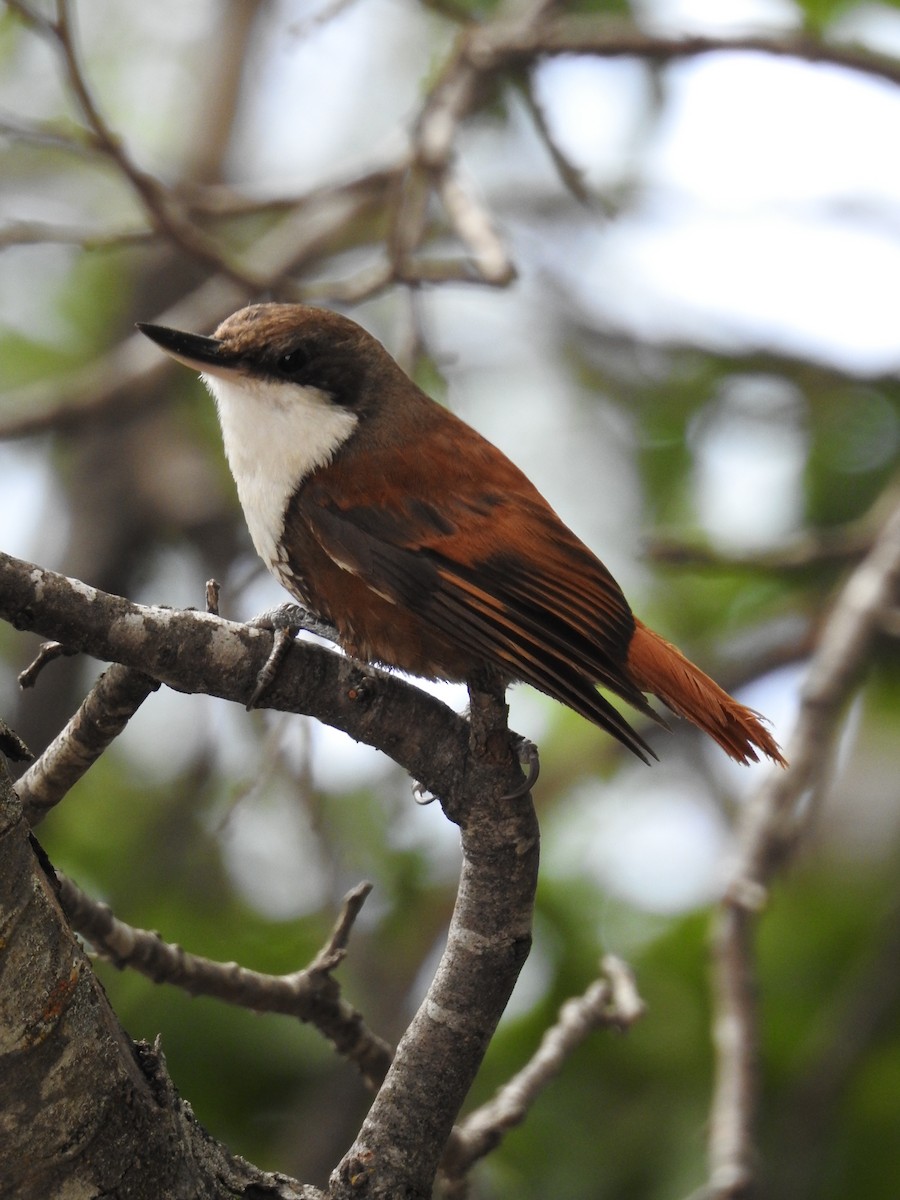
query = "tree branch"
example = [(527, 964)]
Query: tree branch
[(164, 211), (198, 652), (57, 1025), (503, 44), (298, 237), (471, 768), (401, 1141), (610, 1002), (104, 713), (825, 547), (773, 825), (311, 995)]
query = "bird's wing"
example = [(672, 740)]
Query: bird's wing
[(553, 617)]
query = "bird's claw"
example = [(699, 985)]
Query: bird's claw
[(529, 758), (422, 796), (283, 639), (296, 617), (285, 622)]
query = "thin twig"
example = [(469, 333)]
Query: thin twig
[(306, 26), (31, 16), (48, 135), (824, 547), (103, 714), (164, 211), (571, 177), (475, 230), (611, 1002), (48, 652), (518, 43), (310, 995), (213, 589), (113, 379), (33, 233)]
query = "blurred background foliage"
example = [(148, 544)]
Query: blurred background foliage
[(697, 364)]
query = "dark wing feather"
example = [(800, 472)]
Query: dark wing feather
[(519, 641), (561, 640)]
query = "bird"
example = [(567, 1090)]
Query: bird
[(418, 540)]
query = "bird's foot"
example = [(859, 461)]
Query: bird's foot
[(530, 759), (285, 622), (421, 795), (490, 735), (296, 617)]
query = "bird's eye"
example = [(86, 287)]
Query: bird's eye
[(292, 363), (307, 365)]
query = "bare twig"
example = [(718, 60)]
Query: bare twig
[(212, 596), (612, 1001), (457, 13), (48, 135), (31, 233), (299, 237), (310, 995), (503, 44), (823, 547), (482, 52), (572, 177), (48, 652), (166, 214), (104, 713), (774, 823), (306, 26), (31, 16), (475, 230), (787, 803), (432, 169)]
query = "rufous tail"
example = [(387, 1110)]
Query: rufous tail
[(657, 666)]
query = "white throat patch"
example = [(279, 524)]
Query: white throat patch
[(275, 434)]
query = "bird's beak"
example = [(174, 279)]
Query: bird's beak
[(204, 354)]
